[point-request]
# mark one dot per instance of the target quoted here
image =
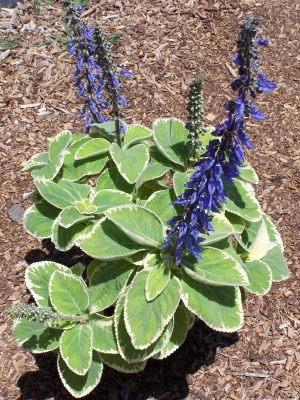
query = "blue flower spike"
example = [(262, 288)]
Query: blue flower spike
[(205, 193)]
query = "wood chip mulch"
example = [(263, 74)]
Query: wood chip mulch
[(165, 43)]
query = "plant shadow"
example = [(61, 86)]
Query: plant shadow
[(165, 379)]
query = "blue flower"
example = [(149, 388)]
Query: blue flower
[(262, 42), (239, 108), (205, 193), (256, 114), (122, 100), (264, 85), (87, 33), (95, 72), (126, 73)]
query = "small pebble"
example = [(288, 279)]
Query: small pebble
[(16, 212)]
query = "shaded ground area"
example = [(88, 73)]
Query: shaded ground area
[(165, 43)]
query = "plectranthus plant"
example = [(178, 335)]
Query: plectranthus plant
[(95, 73), (110, 195)]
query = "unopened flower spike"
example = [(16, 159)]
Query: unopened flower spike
[(45, 315), (195, 125), (224, 155)]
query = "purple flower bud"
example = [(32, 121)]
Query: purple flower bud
[(122, 101), (81, 89), (262, 42), (126, 73), (87, 33), (115, 81), (264, 85), (239, 108), (256, 114)]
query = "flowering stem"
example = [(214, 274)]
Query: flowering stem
[(205, 191)]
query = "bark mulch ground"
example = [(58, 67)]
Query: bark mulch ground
[(166, 43)]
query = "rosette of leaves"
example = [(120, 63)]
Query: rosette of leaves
[(114, 204), (68, 206), (123, 216)]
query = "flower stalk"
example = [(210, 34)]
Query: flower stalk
[(205, 191), (96, 75)]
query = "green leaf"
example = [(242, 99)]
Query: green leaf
[(183, 321), (78, 169), (220, 307), (108, 198), (135, 134), (222, 229), (237, 222), (260, 244), (216, 268), (79, 191), (273, 232), (117, 362), (171, 138), (54, 194), (106, 129), (112, 179), (152, 171), (158, 158), (179, 180), (49, 171), (128, 218), (114, 243), (37, 161), (160, 203), (126, 349), (157, 279), (248, 174), (65, 238), (146, 320), (106, 283), (85, 207), (69, 216), (277, 263), (92, 148), (104, 339), (35, 337), (131, 162), (68, 293), (76, 348), (37, 278), (78, 269), (39, 218), (242, 201), (59, 143), (80, 385), (259, 275)]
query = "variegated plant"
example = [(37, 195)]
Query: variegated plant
[(110, 194), (138, 303)]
